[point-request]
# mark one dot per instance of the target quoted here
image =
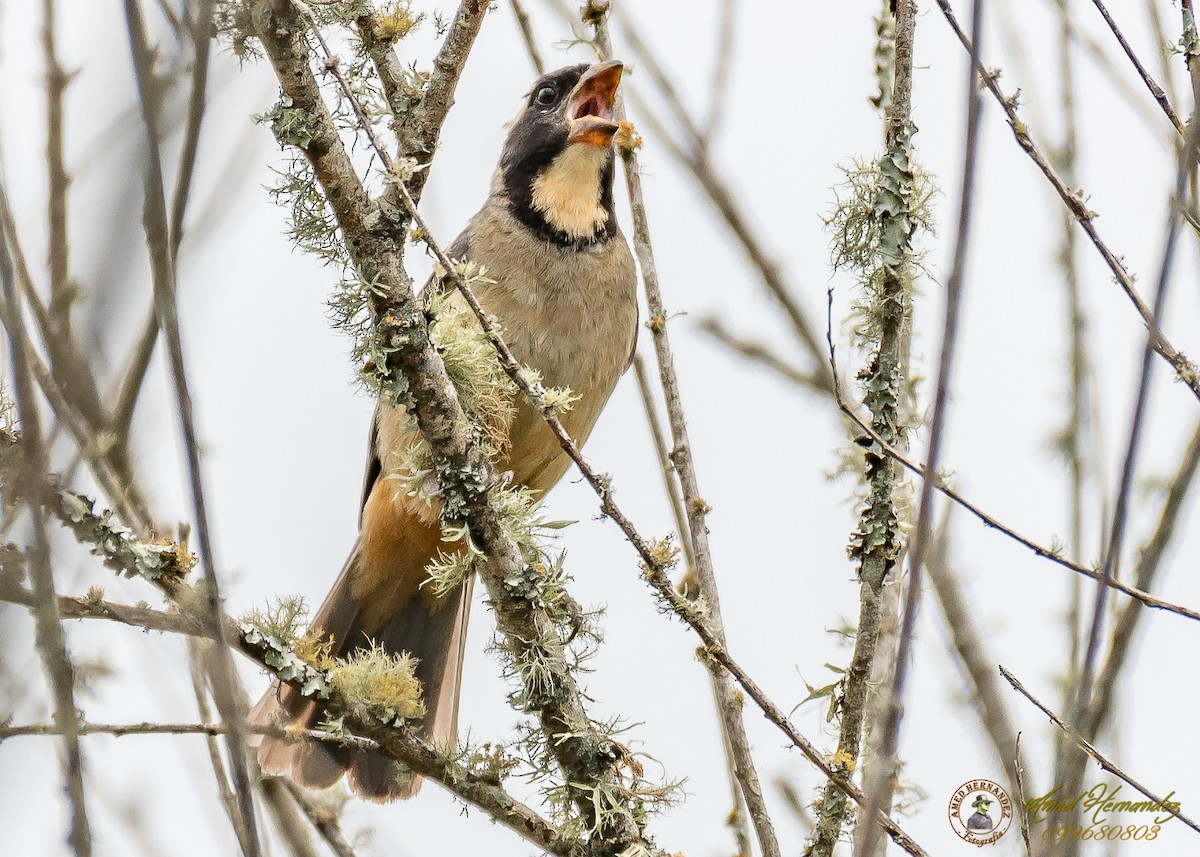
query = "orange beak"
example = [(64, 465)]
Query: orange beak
[(590, 107)]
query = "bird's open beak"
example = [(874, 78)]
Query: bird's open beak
[(590, 107)]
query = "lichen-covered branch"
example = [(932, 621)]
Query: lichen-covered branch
[(413, 375), (165, 565), (419, 128), (875, 544)]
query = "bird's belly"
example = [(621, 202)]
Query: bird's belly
[(585, 351)]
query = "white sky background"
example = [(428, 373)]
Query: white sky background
[(284, 431)]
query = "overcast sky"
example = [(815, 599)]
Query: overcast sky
[(284, 430)]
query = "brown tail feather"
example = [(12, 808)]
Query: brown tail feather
[(377, 599)]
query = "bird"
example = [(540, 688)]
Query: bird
[(561, 282)]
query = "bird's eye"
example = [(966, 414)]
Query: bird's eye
[(545, 96)]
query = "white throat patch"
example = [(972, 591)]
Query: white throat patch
[(567, 192)]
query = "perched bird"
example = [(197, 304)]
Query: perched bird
[(564, 294)]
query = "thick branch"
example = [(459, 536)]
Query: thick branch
[(418, 381)]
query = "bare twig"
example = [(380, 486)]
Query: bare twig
[(69, 364), (730, 708), (527, 36), (759, 352), (1150, 561), (1019, 783), (1084, 745), (87, 607), (993, 523), (118, 730), (199, 27), (723, 55), (58, 254), (291, 822), (324, 822), (670, 482), (1155, 90), (980, 668)]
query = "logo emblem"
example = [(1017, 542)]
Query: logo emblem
[(980, 812)]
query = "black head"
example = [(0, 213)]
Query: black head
[(557, 165)]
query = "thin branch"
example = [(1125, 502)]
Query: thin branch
[(688, 586), (198, 667), (69, 364), (1155, 90), (1080, 395), (985, 689), (58, 254), (324, 822), (681, 455), (665, 466), (291, 822), (723, 54), (88, 607), (757, 351), (1150, 561), (993, 523), (1096, 755), (51, 642), (527, 36), (162, 265), (1185, 370), (118, 730), (1019, 782), (199, 29)]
